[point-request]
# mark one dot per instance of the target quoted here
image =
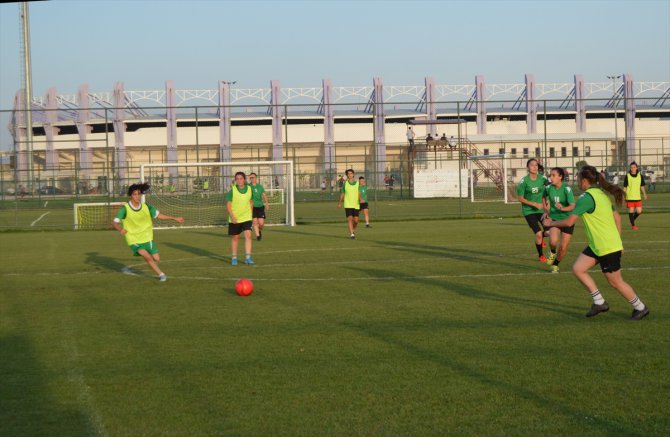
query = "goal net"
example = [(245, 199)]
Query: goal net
[(96, 215), (197, 191), (490, 179)]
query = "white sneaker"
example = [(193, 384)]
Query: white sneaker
[(162, 278)]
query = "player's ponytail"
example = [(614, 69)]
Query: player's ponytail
[(596, 178)]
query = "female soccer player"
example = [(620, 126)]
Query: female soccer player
[(603, 230), (633, 184), (529, 192), (558, 202), (352, 202), (138, 228), (239, 205), (260, 200), (364, 200)]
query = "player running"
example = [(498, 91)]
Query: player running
[(260, 200), (364, 200), (134, 221), (633, 184), (239, 205), (352, 202), (559, 200), (529, 193), (602, 224)]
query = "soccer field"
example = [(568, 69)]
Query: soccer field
[(440, 327)]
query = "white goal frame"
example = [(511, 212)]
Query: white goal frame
[(289, 196), (505, 184)]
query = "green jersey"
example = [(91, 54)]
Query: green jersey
[(137, 222), (563, 196), (257, 195), (241, 203), (364, 193), (531, 190), (596, 209)]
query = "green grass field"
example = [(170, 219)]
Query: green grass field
[(440, 327)]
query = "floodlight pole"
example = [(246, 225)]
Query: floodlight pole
[(28, 90)]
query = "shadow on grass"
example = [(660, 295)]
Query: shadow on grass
[(198, 251), (104, 262), (26, 404)]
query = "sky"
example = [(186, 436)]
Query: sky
[(196, 43)]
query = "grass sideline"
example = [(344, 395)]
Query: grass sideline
[(434, 328)]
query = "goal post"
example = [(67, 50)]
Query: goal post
[(95, 215), (197, 191), (490, 179)]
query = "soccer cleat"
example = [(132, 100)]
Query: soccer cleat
[(258, 238), (554, 269), (163, 278), (551, 258), (543, 259), (634, 228), (353, 236), (367, 225), (597, 309), (640, 314), (233, 262), (248, 261)]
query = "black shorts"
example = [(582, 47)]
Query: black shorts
[(258, 212), (351, 212), (535, 222), (364, 206), (569, 230), (238, 228), (608, 263)]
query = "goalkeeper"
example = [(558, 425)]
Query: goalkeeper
[(136, 218)]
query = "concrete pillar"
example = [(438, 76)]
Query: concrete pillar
[(379, 133), (51, 130), (83, 129), (629, 104), (119, 123), (328, 129), (531, 105), (480, 89), (431, 110), (277, 112), (171, 106), (580, 104)]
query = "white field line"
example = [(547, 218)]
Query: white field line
[(39, 218)]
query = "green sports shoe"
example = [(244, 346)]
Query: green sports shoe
[(554, 269), (551, 258)]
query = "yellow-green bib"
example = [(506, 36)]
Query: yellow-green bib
[(351, 195), (600, 226), (633, 186), (138, 224), (241, 205)]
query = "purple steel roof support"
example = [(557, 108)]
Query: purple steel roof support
[(379, 123), (19, 133), (531, 106), (480, 88), (50, 129), (580, 104), (171, 129), (224, 121), (431, 110), (328, 127), (277, 137), (119, 132), (629, 104), (82, 117)]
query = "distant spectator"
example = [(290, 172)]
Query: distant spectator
[(652, 181), (443, 137), (452, 142), (22, 191), (429, 138), (323, 186), (340, 182), (410, 136)]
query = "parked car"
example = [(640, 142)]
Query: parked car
[(51, 190)]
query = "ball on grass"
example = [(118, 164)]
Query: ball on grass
[(244, 287)]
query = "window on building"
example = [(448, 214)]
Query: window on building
[(486, 151), (501, 151), (575, 151), (587, 150), (552, 152), (538, 152), (564, 151), (513, 172), (513, 152), (525, 152)]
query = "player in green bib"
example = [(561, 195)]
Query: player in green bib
[(529, 193), (240, 220), (363, 189), (558, 202), (633, 185), (602, 224), (134, 221), (260, 200), (351, 197)]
